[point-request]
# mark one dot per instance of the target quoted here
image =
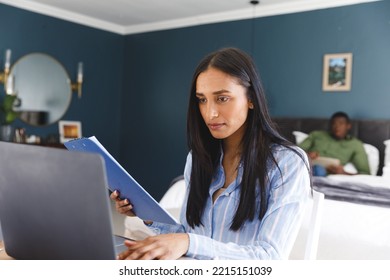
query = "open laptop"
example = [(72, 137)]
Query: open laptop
[(54, 204)]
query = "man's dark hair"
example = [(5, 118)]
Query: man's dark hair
[(340, 115)]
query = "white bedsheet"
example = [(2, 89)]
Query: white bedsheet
[(354, 231), (375, 181)]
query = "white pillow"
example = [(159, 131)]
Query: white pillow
[(299, 136), (350, 168), (373, 157), (371, 151), (387, 152), (386, 167), (373, 160), (386, 171)]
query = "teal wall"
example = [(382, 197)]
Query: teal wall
[(290, 51), (102, 54), (136, 86)]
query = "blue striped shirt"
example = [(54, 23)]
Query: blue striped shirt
[(270, 238)]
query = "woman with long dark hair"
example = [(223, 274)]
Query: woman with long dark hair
[(246, 185)]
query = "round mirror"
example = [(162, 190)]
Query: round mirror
[(43, 89)]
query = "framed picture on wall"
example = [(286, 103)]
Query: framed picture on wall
[(337, 72), (69, 130)]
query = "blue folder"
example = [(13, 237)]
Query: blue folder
[(144, 205)]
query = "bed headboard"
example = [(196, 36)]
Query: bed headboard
[(373, 132)]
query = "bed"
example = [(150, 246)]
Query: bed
[(356, 214)]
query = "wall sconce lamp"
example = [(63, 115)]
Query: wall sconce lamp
[(5, 73), (8, 80), (78, 84)]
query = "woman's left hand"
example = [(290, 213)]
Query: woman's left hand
[(161, 247)]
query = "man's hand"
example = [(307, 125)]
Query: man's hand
[(313, 155), (336, 169)]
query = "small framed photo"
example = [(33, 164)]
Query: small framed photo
[(337, 72), (69, 130)]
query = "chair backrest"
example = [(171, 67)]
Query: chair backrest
[(175, 195), (306, 244)]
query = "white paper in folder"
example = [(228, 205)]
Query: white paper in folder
[(325, 161)]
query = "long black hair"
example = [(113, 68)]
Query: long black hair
[(206, 150)]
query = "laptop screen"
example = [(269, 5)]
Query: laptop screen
[(54, 204)]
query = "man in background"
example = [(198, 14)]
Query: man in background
[(336, 143)]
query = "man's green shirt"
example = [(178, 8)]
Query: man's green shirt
[(346, 150)]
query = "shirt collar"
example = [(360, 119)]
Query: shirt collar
[(219, 177)]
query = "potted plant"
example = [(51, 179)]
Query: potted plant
[(8, 115)]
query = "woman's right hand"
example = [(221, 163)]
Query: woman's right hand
[(123, 206)]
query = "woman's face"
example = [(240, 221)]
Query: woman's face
[(223, 103)]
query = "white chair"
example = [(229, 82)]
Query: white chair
[(175, 195), (306, 244)]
